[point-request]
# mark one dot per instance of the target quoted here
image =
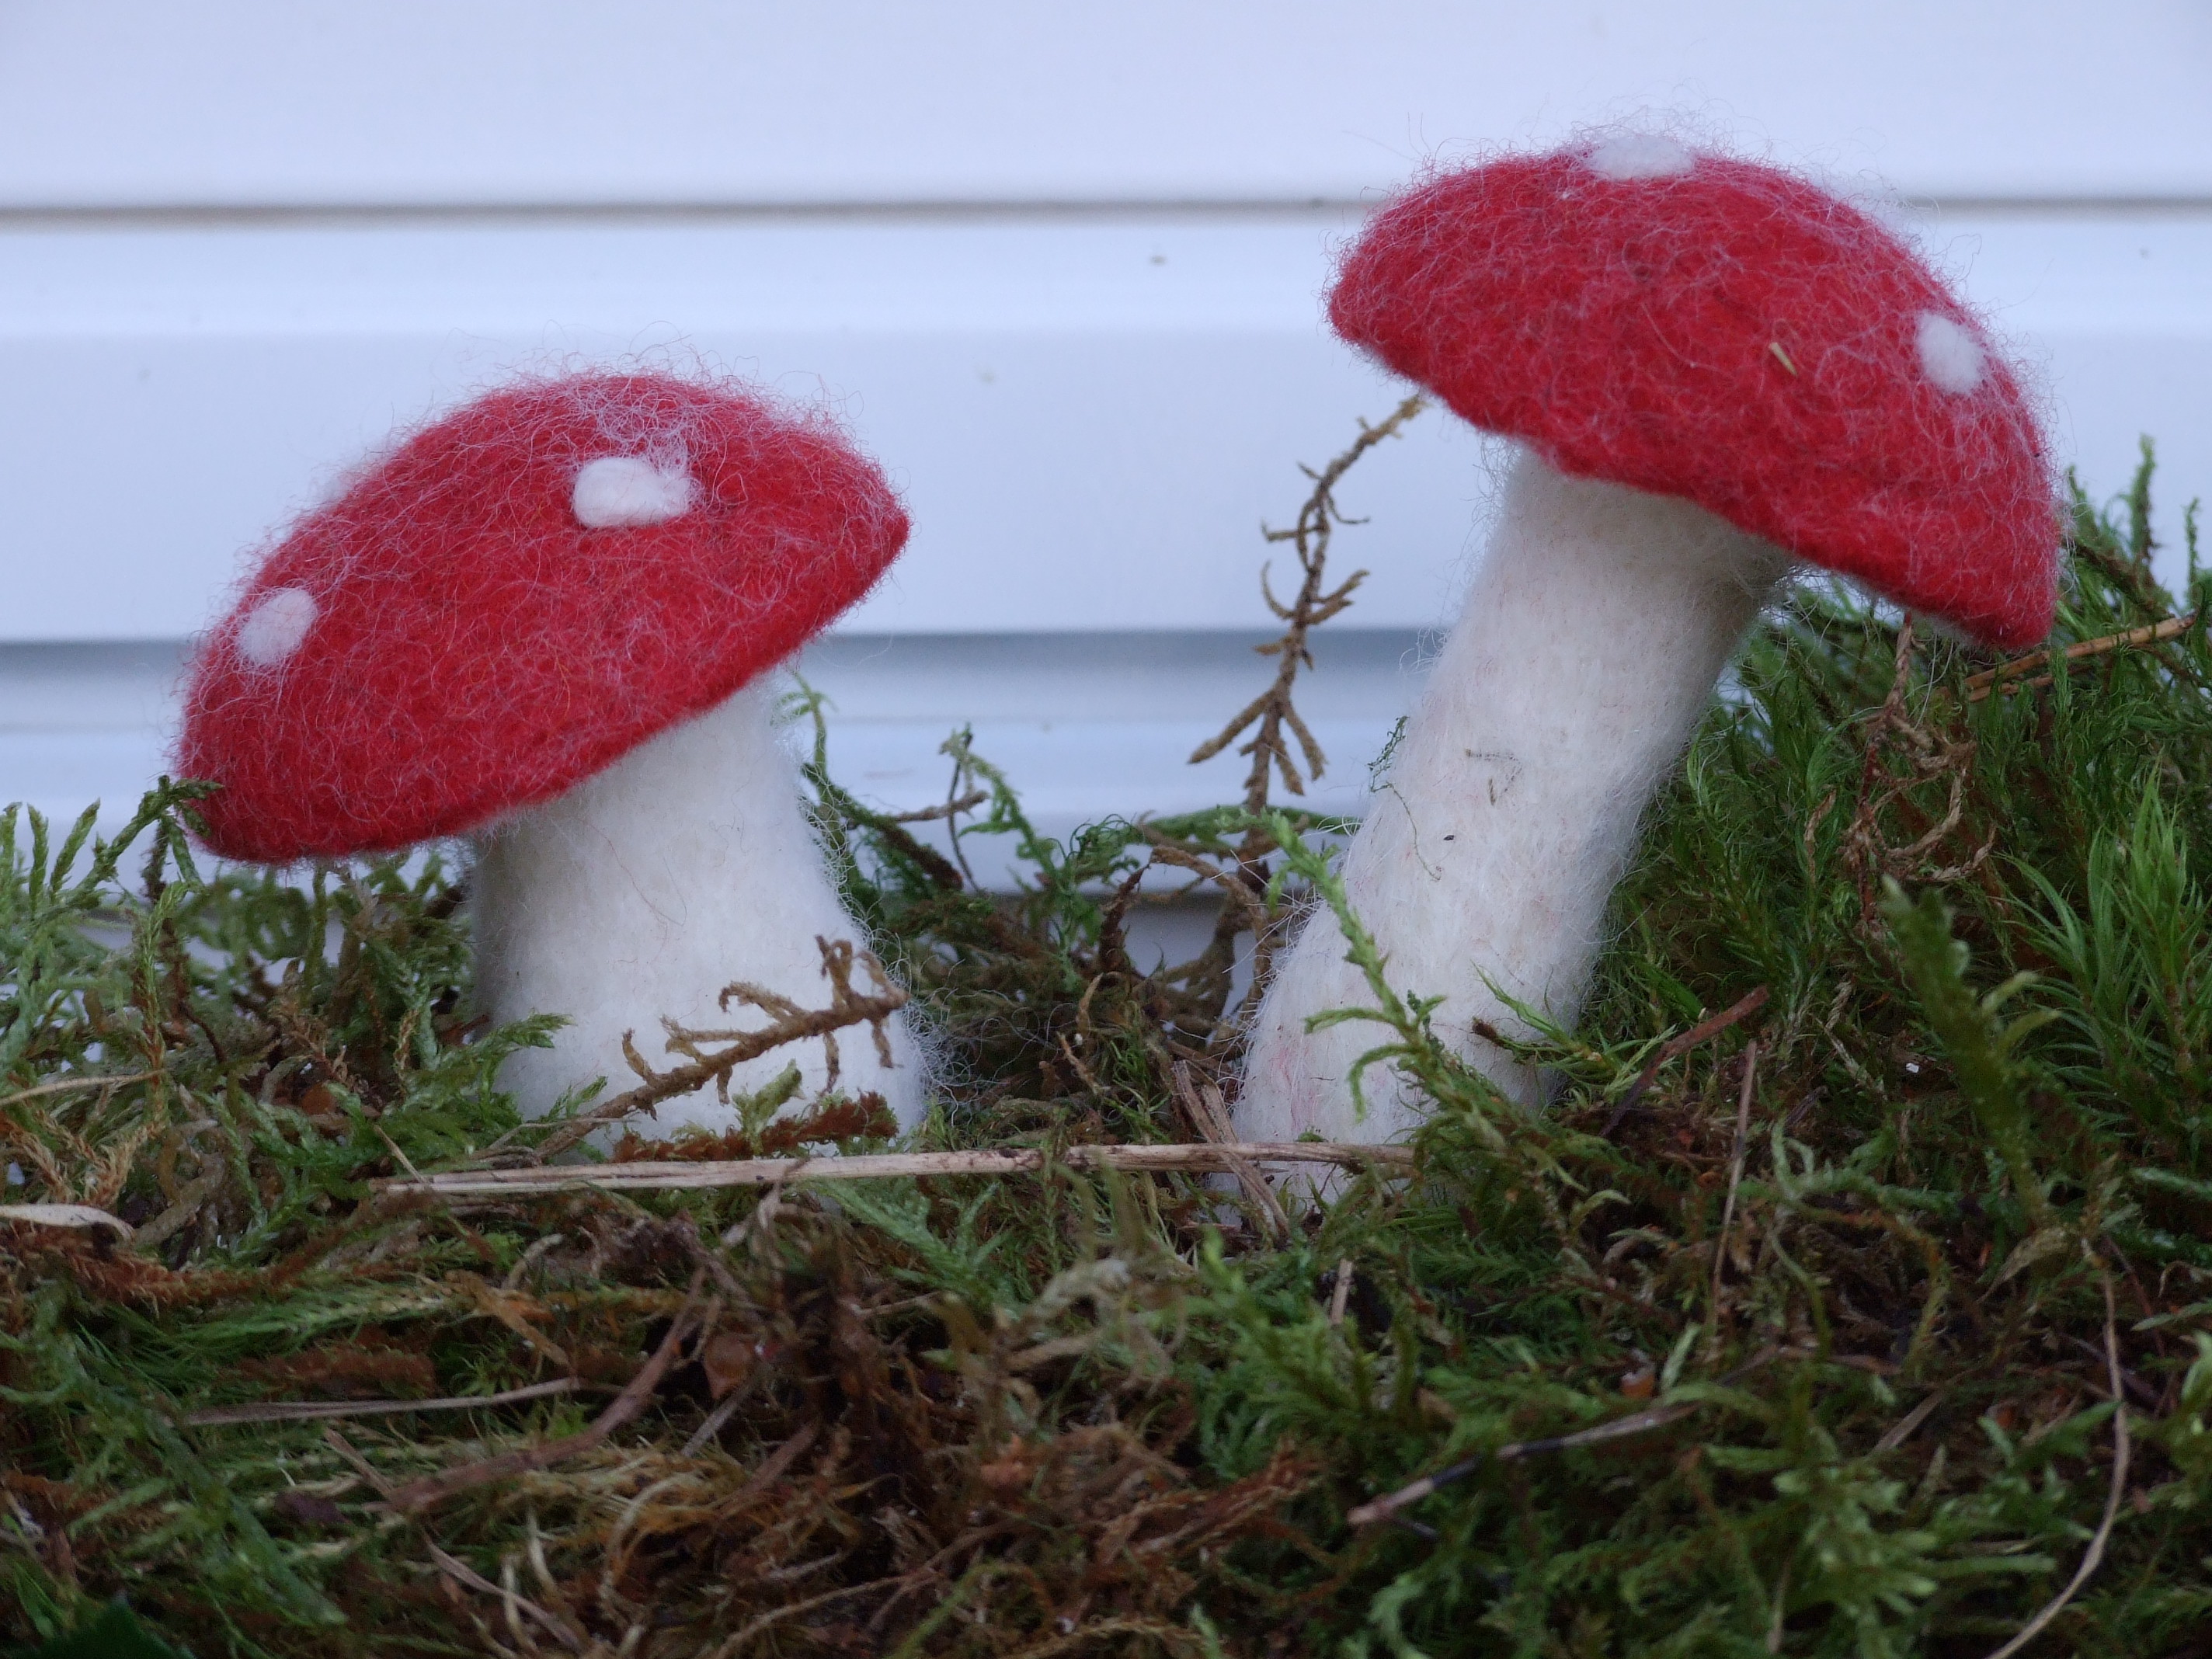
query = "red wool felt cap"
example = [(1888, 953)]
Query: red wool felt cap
[(1697, 326), (522, 592)]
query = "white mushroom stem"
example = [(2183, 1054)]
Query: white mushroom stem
[(647, 888), (1591, 644)]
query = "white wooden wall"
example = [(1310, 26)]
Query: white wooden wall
[(1058, 266)]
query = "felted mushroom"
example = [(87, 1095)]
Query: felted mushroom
[(543, 621), (1716, 368)]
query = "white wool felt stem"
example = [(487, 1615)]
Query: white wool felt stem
[(647, 887), (1592, 638)]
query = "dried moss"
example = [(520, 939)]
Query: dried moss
[(1856, 1272)]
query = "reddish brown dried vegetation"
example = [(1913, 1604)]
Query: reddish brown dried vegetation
[(865, 1119), (372, 1366)]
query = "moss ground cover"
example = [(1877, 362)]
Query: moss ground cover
[(1852, 1297)]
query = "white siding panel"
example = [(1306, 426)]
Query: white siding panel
[(1124, 399), (137, 102), (1059, 267), (1085, 725), (1091, 417)]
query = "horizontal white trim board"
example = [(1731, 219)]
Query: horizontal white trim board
[(1085, 725), (1090, 415), (132, 102)]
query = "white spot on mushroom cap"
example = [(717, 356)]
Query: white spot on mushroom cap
[(1639, 156), (1950, 356), (272, 630), (617, 491)]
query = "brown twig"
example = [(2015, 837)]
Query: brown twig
[(1735, 1178), (773, 1468), (361, 1465), (1675, 1047), (945, 809), (1274, 709), (675, 1177), (1384, 1508), (75, 1216), (1315, 604), (192, 1198), (2093, 1556), (1980, 685), (71, 1084), (1241, 899), (1902, 1431), (1642, 1422), (1204, 1106), (302, 1411), (788, 1024), (463, 1574), (417, 1495)]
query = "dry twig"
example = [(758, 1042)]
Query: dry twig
[(1981, 685), (2093, 1556), (1204, 1107), (674, 1176), (463, 1574), (1273, 710), (1902, 1431), (1315, 604), (788, 1024), (65, 1215), (1736, 1178), (1926, 754), (73, 1084), (1675, 1047), (1383, 1508), (945, 809), (1386, 1507), (431, 1489), (301, 1411)]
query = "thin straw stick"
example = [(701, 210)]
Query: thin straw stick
[(777, 1171)]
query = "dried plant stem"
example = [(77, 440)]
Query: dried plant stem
[(1204, 1104), (945, 809), (300, 1411), (1273, 711), (779, 1171), (1901, 1431), (790, 1024), (2093, 1556), (73, 1084), (1642, 1422), (1904, 752), (1383, 1508), (716, 1419), (1315, 604), (461, 1573), (65, 1215), (1989, 679), (1675, 1047), (1340, 1296), (417, 1495), (1736, 1179)]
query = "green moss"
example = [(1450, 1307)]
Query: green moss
[(1868, 1256)]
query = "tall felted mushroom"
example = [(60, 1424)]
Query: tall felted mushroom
[(1715, 368), (544, 622)]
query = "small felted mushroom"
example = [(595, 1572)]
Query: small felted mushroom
[(543, 621), (1716, 368)]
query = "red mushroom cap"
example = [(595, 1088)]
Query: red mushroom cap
[(519, 594), (1697, 326)]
